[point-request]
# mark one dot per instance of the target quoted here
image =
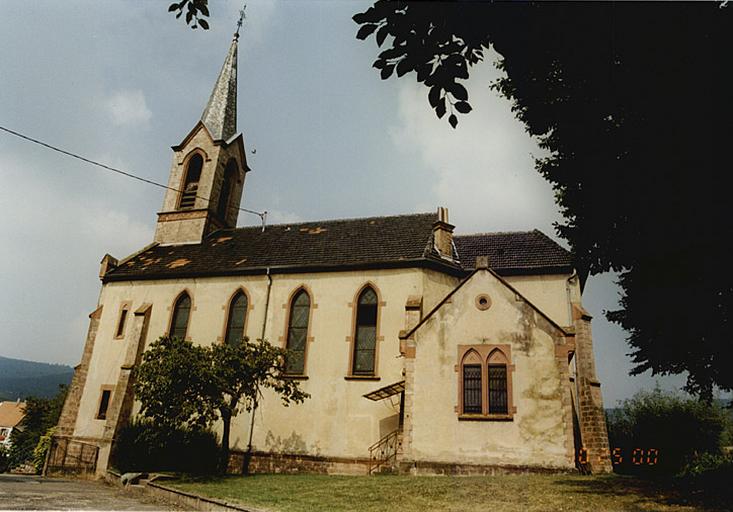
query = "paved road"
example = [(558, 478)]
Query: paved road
[(22, 492)]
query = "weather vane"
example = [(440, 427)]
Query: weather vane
[(240, 21)]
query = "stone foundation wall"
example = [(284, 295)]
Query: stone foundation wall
[(442, 468), (285, 463)]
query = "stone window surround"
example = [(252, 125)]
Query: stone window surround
[(184, 173), (485, 352), (227, 308), (308, 338), (102, 389), (351, 339), (119, 333), (171, 313)]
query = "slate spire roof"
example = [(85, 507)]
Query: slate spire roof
[(220, 114)]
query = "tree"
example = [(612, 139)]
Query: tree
[(179, 383), (41, 414), (196, 11), (632, 101)]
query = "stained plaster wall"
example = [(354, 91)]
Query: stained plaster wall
[(336, 421), (540, 432)]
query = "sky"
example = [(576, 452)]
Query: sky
[(121, 82)]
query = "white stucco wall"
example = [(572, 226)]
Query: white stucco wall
[(538, 433)]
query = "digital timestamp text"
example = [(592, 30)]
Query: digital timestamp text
[(635, 456)]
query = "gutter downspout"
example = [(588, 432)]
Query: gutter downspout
[(248, 455)]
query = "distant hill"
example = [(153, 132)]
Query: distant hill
[(20, 379)]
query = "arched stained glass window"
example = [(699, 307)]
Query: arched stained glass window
[(181, 312), (297, 333), (191, 184), (365, 337), (236, 318)]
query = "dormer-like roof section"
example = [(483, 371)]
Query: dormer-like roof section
[(515, 252), (220, 114)]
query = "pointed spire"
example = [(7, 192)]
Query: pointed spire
[(220, 114)]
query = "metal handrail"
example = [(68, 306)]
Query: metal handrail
[(384, 451)]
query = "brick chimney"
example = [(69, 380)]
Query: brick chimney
[(443, 234)]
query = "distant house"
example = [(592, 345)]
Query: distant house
[(11, 414)]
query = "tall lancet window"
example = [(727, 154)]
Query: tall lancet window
[(365, 337), (297, 333), (227, 185), (179, 320), (236, 319), (191, 183)]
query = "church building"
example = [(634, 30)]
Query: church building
[(423, 351)]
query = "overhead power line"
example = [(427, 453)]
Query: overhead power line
[(262, 215)]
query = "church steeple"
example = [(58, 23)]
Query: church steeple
[(220, 114), (209, 167)]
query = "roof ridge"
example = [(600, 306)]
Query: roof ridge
[(485, 233), (346, 219)]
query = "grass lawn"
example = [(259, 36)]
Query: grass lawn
[(525, 493)]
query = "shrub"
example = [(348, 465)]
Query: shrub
[(681, 429), (143, 446), (4, 460), (41, 449)]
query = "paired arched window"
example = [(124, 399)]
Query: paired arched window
[(227, 186), (297, 335), (191, 183), (498, 387), (365, 335), (236, 319), (485, 382), (179, 320)]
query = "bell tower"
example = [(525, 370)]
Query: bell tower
[(209, 167)]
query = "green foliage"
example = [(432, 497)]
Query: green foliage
[(41, 414), (172, 381), (41, 449), (196, 11), (144, 446), (179, 383), (682, 429), (632, 103), (4, 459)]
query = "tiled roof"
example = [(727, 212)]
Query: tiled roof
[(367, 243), (514, 252), (11, 413), (375, 242)]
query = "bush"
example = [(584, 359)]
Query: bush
[(681, 429), (41, 449), (4, 460), (143, 446)]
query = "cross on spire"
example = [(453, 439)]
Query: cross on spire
[(240, 21)]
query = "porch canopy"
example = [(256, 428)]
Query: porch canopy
[(386, 391)]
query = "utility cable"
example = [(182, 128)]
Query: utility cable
[(262, 215)]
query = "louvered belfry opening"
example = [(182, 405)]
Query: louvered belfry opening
[(191, 186)]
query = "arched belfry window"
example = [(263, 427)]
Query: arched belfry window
[(227, 187), (297, 333), (179, 320), (236, 319), (498, 389), (190, 187), (365, 337)]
